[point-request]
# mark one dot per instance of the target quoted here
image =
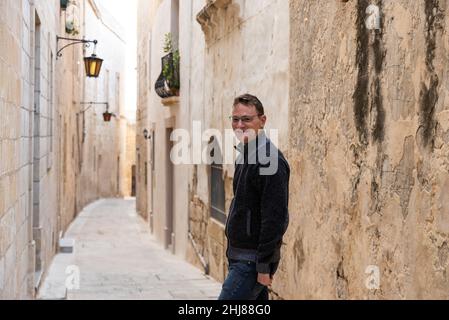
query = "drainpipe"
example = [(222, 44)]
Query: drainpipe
[(195, 247)]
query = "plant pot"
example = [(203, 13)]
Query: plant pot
[(174, 92), (107, 116)]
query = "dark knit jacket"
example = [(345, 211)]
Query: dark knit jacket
[(258, 216)]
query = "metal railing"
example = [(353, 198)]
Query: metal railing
[(167, 85)]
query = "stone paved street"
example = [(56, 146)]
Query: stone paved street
[(117, 258)]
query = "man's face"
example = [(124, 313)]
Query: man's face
[(246, 123)]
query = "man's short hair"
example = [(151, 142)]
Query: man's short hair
[(249, 100)]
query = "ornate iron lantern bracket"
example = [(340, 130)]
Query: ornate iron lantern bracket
[(74, 41)]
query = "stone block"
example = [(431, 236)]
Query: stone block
[(25, 61), (23, 153), (4, 70), (23, 208), (2, 274), (7, 231), (26, 13), (2, 197), (216, 231), (11, 262), (66, 245), (24, 293), (22, 238), (22, 267)]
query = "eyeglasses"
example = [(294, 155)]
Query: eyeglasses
[(245, 119)]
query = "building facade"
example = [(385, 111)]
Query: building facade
[(28, 146), (47, 140)]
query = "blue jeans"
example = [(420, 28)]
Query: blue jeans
[(241, 283)]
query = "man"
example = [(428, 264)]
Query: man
[(258, 215)]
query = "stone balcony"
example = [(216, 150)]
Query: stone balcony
[(214, 17)]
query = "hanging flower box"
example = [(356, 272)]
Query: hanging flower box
[(168, 83), (63, 4)]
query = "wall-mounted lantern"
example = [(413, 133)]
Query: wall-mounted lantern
[(146, 134), (92, 64)]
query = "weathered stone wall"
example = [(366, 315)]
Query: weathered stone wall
[(69, 94), (369, 151), (27, 144)]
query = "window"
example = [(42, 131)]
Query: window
[(217, 193)]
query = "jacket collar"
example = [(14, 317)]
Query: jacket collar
[(249, 149)]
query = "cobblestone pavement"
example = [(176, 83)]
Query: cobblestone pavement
[(115, 257)]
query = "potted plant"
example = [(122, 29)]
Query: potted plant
[(170, 69)]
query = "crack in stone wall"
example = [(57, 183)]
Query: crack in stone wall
[(429, 87)]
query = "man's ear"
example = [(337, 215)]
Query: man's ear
[(263, 119)]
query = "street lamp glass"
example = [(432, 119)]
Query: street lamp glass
[(93, 65)]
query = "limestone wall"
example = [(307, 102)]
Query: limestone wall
[(368, 150), (28, 224)]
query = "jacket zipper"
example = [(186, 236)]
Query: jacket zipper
[(230, 215), (248, 222)]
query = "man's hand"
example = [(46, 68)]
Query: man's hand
[(264, 278)]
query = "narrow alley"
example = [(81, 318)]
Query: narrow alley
[(115, 257)]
